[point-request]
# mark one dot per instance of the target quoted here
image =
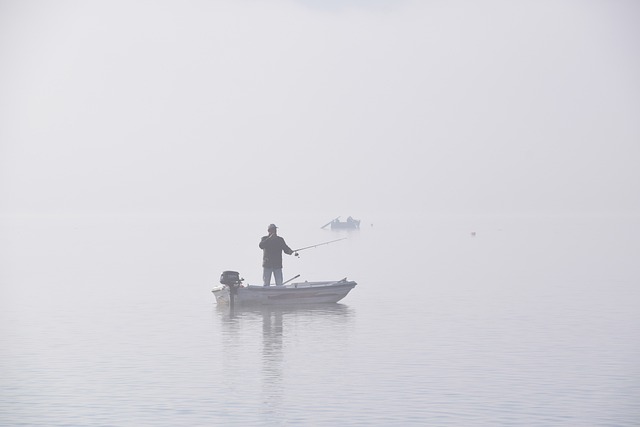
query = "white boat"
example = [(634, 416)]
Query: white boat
[(288, 294)]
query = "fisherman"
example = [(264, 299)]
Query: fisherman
[(272, 247)]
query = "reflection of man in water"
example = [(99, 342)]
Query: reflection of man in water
[(272, 247)]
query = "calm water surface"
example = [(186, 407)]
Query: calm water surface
[(109, 321)]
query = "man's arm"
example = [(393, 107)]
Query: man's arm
[(286, 249)]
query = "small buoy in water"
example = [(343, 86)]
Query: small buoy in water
[(473, 234)]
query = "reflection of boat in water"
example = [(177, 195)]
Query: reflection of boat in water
[(258, 345), (293, 293), (253, 312)]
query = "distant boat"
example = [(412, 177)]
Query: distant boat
[(288, 294), (349, 224)]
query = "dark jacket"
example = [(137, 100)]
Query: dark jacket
[(272, 251)]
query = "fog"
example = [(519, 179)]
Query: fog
[(146, 145), (355, 107)]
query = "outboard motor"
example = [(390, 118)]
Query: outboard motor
[(230, 278), (233, 281)]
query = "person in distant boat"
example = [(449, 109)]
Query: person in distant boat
[(272, 248)]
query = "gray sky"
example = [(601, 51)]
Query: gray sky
[(348, 107)]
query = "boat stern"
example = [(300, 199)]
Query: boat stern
[(221, 293)]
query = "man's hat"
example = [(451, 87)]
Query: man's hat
[(272, 227)]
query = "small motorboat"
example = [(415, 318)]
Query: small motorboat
[(288, 294), (349, 224)]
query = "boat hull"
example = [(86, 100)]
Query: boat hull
[(292, 294), (353, 225)]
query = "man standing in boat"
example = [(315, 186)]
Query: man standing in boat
[(272, 247)]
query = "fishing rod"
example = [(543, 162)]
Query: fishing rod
[(294, 277), (314, 246), (335, 219)]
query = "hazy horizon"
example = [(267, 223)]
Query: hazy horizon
[(308, 106)]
